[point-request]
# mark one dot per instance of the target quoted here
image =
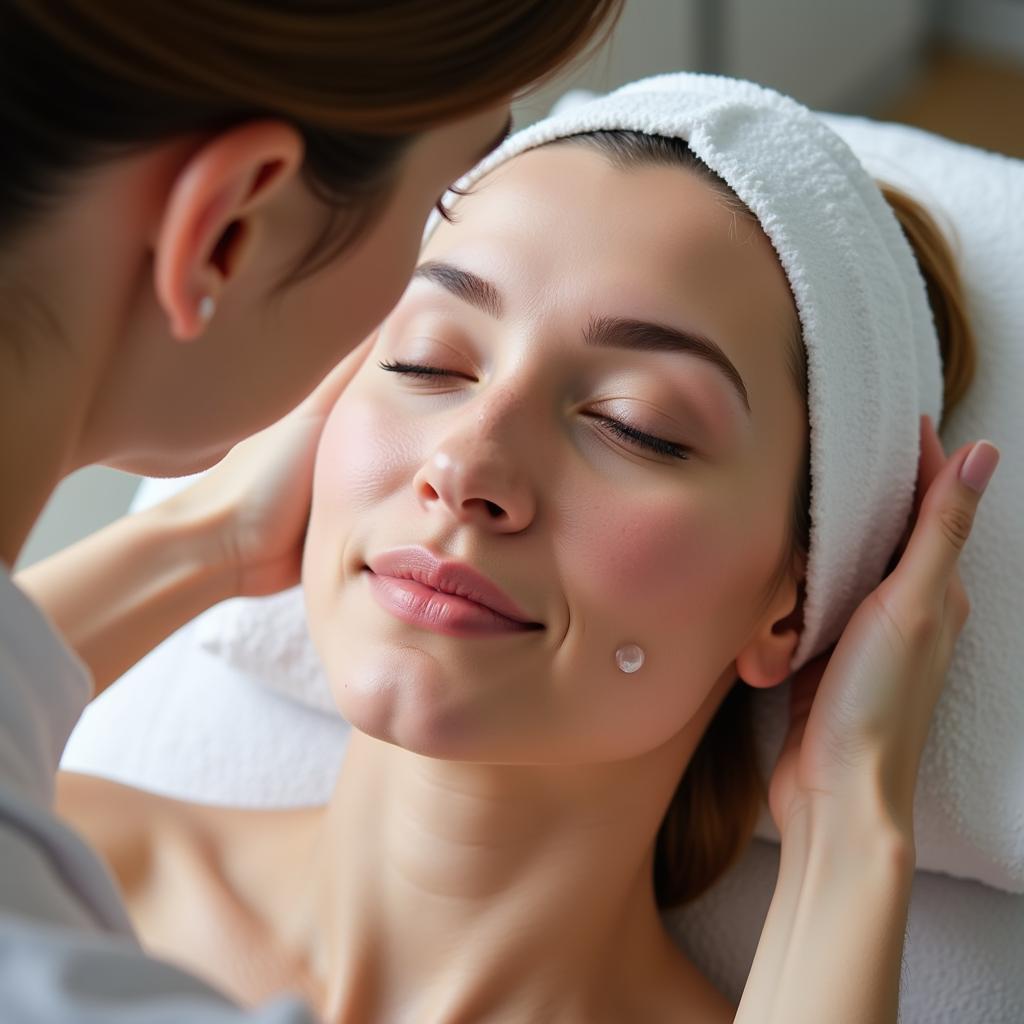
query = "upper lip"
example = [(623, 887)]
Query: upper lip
[(448, 577)]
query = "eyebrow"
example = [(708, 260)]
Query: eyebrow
[(643, 336), (602, 331), (463, 285)]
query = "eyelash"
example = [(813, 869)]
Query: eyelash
[(648, 441), (621, 430), (416, 370)]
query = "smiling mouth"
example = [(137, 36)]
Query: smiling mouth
[(443, 597)]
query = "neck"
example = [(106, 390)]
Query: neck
[(451, 891), (65, 292), (40, 410)]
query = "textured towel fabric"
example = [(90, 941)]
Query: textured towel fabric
[(872, 353), (969, 813)]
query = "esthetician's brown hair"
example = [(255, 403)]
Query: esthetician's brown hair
[(82, 81), (712, 815)]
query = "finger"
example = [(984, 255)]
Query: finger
[(930, 462), (932, 459), (945, 520)]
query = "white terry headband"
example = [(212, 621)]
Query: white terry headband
[(873, 361)]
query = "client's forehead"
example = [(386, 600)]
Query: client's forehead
[(564, 233)]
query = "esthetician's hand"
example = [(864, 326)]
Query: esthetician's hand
[(860, 714), (253, 506)]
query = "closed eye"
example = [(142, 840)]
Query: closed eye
[(624, 432), (639, 439), (418, 370)]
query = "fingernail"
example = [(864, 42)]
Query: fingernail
[(979, 466)]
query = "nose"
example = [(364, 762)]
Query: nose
[(472, 480)]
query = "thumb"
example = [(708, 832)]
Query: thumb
[(946, 519)]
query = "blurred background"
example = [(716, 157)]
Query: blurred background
[(954, 67)]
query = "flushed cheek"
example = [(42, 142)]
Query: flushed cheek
[(638, 561)]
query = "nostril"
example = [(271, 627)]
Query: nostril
[(496, 511)]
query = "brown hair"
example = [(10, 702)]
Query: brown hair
[(712, 815), (84, 80)]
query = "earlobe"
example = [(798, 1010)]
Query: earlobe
[(208, 217), (765, 661)]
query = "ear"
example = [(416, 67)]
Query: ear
[(207, 222), (765, 660)]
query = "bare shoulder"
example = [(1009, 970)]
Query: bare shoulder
[(120, 822), (126, 825), (183, 868)]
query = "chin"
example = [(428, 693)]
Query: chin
[(401, 696)]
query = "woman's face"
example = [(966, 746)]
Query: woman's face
[(584, 396)]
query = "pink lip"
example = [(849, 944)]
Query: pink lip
[(444, 597)]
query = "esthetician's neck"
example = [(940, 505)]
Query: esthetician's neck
[(473, 888), (66, 286), (41, 405)]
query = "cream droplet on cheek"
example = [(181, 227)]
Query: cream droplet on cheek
[(629, 658)]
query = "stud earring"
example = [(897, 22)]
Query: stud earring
[(629, 658), (206, 308)]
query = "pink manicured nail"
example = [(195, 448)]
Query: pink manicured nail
[(979, 466)]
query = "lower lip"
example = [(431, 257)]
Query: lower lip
[(447, 614)]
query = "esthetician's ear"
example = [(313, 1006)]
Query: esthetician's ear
[(765, 661), (208, 222)]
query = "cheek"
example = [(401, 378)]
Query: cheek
[(366, 453), (668, 574), (663, 556)]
